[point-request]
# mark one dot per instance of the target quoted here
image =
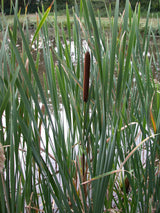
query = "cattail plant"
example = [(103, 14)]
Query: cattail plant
[(85, 99), (86, 76)]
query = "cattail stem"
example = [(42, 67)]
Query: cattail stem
[(5, 193), (86, 76), (85, 99), (2, 161)]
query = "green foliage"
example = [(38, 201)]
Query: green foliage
[(61, 5), (7, 6), (73, 156)]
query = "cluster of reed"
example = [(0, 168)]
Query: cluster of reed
[(87, 138)]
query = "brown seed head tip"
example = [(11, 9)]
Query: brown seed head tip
[(86, 76), (43, 109), (2, 158)]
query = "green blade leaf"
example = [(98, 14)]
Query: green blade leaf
[(42, 22)]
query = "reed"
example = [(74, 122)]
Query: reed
[(47, 140)]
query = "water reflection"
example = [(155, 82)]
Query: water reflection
[(84, 44)]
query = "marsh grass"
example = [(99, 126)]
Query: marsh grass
[(107, 159)]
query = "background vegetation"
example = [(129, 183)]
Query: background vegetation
[(61, 4), (64, 153)]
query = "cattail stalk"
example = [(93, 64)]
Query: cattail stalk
[(85, 99), (2, 158), (40, 132), (86, 76)]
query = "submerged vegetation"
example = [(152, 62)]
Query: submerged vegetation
[(98, 153)]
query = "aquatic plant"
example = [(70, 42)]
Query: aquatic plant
[(66, 152)]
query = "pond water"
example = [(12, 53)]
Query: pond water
[(52, 44)]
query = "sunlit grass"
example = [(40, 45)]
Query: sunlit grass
[(61, 19)]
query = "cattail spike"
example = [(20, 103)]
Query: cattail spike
[(86, 76)]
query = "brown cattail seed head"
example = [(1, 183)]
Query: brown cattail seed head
[(43, 109), (86, 76), (2, 158)]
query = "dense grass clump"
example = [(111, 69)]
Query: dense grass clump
[(69, 151)]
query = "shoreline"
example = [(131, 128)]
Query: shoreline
[(62, 20)]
